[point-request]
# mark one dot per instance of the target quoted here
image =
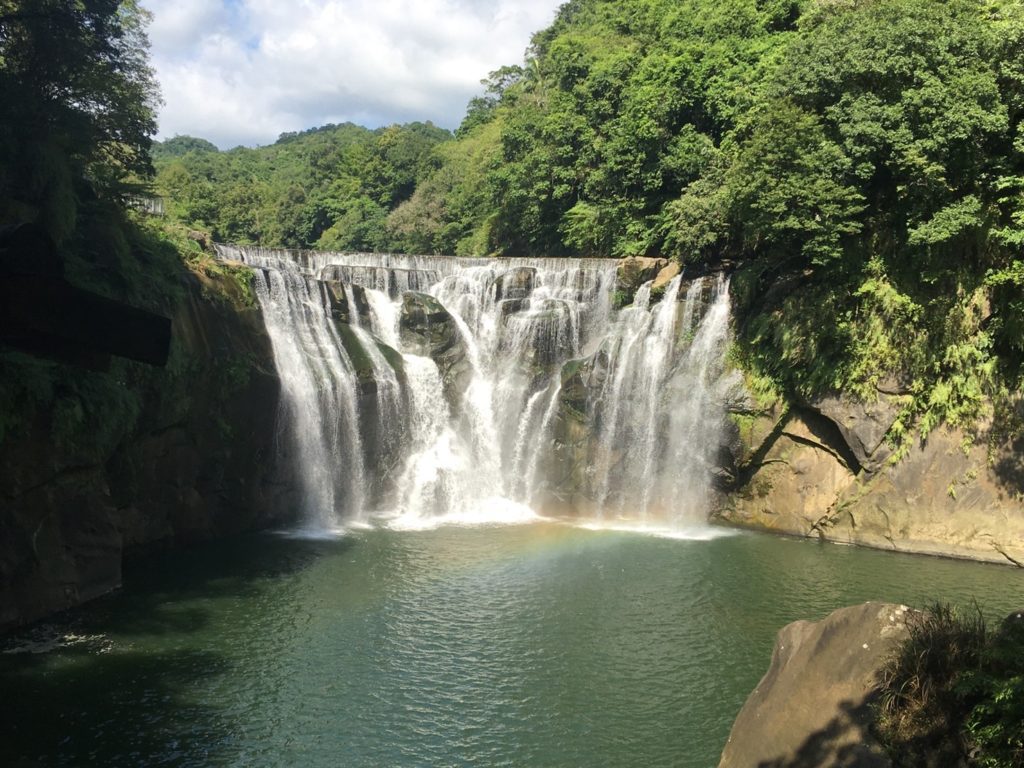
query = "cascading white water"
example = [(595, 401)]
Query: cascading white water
[(473, 433), (319, 395), (659, 412)]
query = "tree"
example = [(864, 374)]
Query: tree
[(80, 99)]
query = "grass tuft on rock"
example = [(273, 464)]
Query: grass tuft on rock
[(953, 693)]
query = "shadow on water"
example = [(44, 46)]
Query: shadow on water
[(121, 681)]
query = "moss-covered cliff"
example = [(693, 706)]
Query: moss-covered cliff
[(100, 465)]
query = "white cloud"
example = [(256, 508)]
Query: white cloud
[(244, 71)]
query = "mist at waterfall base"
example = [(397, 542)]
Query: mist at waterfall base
[(381, 434)]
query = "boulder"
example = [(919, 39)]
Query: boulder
[(666, 276), (634, 271), (202, 239), (813, 708), (427, 328), (515, 284)]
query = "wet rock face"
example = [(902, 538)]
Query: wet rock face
[(196, 464), (426, 328), (344, 310), (381, 449), (576, 444), (515, 284), (790, 473), (814, 705)]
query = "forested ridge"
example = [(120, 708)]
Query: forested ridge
[(859, 160)]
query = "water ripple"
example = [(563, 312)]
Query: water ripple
[(538, 645)]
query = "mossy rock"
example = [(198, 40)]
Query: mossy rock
[(357, 354)]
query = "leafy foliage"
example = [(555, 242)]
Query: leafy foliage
[(876, 178), (331, 187), (80, 95)]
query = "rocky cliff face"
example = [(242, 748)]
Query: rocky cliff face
[(823, 468), (96, 467)]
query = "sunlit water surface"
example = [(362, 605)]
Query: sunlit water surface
[(528, 645)]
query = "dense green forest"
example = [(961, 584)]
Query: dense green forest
[(861, 161), (75, 143)]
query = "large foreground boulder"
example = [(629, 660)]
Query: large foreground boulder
[(813, 708)]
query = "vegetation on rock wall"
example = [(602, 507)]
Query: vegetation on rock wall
[(953, 693), (77, 78)]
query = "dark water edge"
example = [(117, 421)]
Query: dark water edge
[(534, 645)]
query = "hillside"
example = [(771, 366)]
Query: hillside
[(860, 161)]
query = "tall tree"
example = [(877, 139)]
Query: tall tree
[(79, 97)]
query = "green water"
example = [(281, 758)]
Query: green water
[(539, 645)]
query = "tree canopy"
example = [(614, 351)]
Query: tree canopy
[(79, 97), (332, 186), (867, 154)]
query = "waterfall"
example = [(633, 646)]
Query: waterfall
[(319, 394), (427, 388)]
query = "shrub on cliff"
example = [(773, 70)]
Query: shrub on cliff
[(954, 692), (79, 98)]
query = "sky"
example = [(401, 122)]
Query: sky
[(245, 71)]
